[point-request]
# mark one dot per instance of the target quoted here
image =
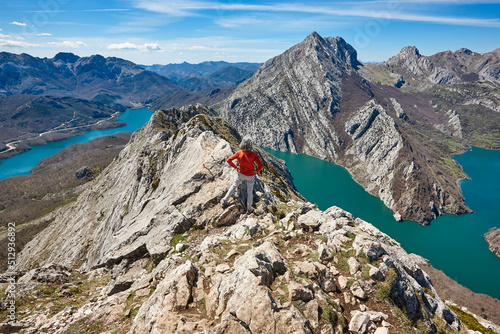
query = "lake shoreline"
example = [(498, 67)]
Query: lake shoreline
[(23, 145), (453, 244)]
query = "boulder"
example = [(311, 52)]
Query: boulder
[(354, 265), (359, 322)]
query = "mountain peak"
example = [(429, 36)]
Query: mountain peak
[(66, 57), (411, 51)]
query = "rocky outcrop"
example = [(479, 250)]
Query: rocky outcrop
[(492, 237), (271, 279), (170, 177), (375, 149)]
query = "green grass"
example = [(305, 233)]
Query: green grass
[(470, 321), (384, 288)]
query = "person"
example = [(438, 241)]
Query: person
[(247, 159)]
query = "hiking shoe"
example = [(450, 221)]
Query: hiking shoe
[(249, 211), (223, 204)]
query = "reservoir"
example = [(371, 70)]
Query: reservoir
[(453, 244), (23, 163)]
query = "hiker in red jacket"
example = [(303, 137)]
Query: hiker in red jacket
[(247, 159)]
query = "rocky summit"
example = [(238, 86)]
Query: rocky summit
[(146, 248), (316, 98)]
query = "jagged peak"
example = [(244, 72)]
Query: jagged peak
[(314, 36), (411, 51), (334, 46)]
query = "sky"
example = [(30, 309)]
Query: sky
[(165, 31)]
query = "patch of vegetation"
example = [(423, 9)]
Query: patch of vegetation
[(176, 238), (384, 288), (314, 256), (280, 196), (84, 326), (469, 320), (328, 315), (300, 306)]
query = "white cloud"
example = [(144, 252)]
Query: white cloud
[(4, 36), (44, 34), (72, 44), (350, 9), (18, 23), (16, 44), (152, 47), (131, 46), (122, 46)]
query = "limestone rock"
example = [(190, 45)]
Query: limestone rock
[(172, 294), (359, 322), (354, 265), (300, 292)]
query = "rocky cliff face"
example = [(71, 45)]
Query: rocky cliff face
[(147, 249), (312, 100)]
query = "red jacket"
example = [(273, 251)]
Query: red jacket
[(246, 160)]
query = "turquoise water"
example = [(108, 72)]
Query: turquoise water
[(22, 163), (453, 244)]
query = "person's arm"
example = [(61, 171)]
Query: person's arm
[(230, 160), (260, 166)]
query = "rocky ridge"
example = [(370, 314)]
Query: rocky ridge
[(312, 100), (410, 69), (147, 249)]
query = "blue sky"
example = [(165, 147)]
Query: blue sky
[(161, 32)]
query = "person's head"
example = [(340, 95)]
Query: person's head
[(246, 144)]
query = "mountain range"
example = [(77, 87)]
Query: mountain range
[(106, 80), (196, 77), (317, 98), (395, 126), (68, 92), (145, 247)]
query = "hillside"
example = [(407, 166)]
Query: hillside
[(107, 80), (34, 120), (397, 144), (146, 248), (55, 181)]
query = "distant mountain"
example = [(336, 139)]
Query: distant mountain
[(179, 71), (106, 80), (208, 96), (196, 77), (228, 77), (313, 99), (409, 69)]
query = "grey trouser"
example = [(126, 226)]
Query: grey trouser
[(240, 178)]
